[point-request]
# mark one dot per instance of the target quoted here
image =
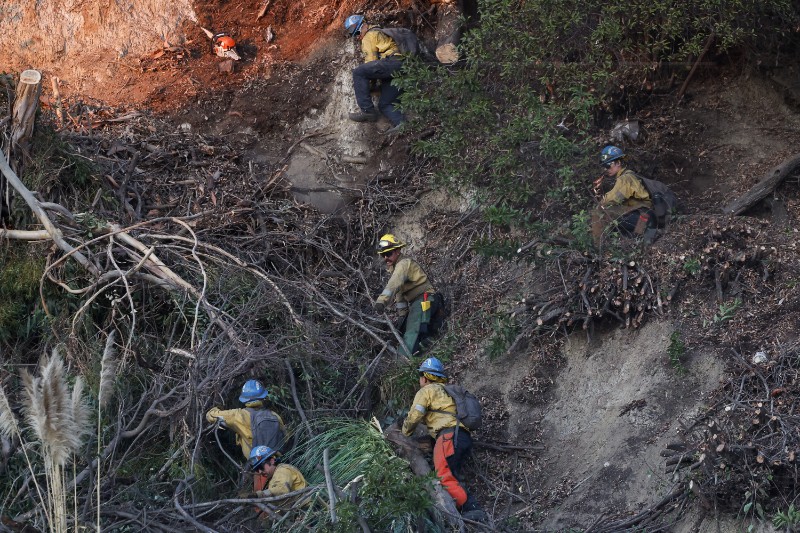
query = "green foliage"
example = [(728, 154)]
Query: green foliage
[(727, 311), (676, 350), (20, 314), (503, 248), (788, 519), (391, 498), (581, 231), (504, 330), (353, 445), (692, 266), (514, 123)]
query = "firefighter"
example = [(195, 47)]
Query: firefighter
[(252, 423), (435, 408), (415, 299), (254, 426), (281, 478), (627, 206), (382, 59)]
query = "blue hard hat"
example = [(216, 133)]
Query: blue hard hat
[(259, 455), (431, 365), (353, 24), (253, 390), (610, 153)]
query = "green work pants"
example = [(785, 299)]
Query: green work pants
[(416, 326)]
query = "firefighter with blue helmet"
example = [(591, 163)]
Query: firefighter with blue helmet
[(281, 478), (436, 409), (382, 60), (254, 425), (240, 421), (627, 207)]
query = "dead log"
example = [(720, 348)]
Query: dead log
[(448, 32), (408, 450), (762, 189)]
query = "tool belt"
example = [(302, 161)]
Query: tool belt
[(453, 429)]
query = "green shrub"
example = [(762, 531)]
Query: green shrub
[(515, 122)]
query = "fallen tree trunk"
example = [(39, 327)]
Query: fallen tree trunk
[(761, 189), (40, 213), (408, 450), (448, 33)]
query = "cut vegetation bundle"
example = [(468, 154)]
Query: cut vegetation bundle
[(374, 487)]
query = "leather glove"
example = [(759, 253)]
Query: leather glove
[(380, 307)]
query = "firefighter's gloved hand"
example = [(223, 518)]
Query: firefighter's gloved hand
[(221, 422), (380, 307)]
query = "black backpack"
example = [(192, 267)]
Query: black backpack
[(406, 40), (266, 429), (468, 408), (665, 202)]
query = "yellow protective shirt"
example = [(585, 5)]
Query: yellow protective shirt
[(377, 45), (407, 283), (286, 479), (430, 398), (238, 421), (628, 191)]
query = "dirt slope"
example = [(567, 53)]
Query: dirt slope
[(598, 412)]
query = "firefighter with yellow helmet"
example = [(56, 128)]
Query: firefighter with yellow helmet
[(411, 293)]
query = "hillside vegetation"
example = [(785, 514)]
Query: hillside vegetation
[(619, 385)]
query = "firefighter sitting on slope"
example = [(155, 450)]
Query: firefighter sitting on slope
[(627, 206)]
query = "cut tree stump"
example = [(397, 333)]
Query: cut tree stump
[(448, 32), (408, 449), (762, 189), (23, 115)]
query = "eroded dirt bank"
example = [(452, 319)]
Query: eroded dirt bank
[(596, 413)]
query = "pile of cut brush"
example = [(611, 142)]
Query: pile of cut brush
[(730, 261), (742, 454)]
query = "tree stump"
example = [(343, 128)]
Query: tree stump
[(26, 103), (448, 32)]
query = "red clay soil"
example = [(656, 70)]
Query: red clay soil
[(166, 78)]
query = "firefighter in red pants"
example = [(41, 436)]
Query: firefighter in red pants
[(436, 409)]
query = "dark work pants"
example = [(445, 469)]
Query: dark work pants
[(627, 222), (383, 70)]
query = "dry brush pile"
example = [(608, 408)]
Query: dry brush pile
[(197, 271)]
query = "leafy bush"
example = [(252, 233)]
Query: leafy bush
[(515, 122)]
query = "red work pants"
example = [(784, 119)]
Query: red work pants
[(447, 459)]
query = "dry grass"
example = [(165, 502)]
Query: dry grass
[(59, 419)]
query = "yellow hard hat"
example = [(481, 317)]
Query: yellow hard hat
[(389, 243)]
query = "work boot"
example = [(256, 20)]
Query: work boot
[(364, 116), (476, 515)]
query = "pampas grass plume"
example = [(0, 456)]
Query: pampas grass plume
[(58, 419), (8, 422), (108, 370)]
